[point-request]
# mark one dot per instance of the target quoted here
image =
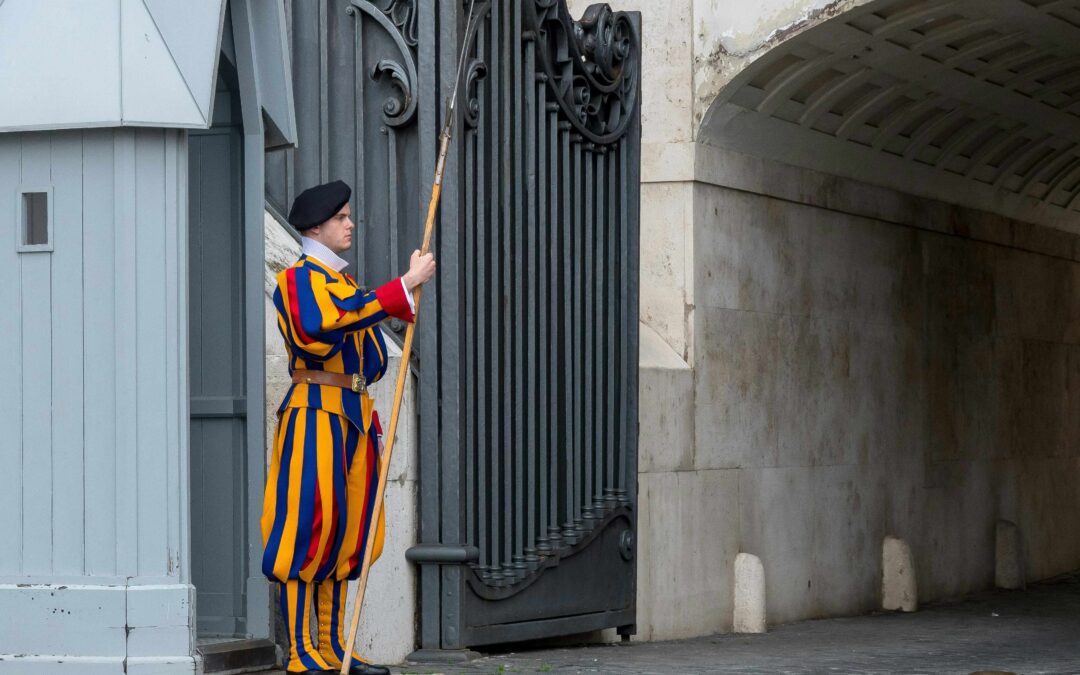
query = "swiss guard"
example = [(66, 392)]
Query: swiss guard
[(324, 471)]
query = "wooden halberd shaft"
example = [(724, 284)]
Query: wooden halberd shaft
[(399, 391)]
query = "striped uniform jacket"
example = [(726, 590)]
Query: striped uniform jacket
[(323, 469)]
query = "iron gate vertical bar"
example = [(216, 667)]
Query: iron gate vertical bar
[(426, 345), (544, 344), (471, 360), (324, 95), (615, 300), (531, 345), (519, 413), (450, 329), (631, 228), (392, 196), (590, 356), (579, 383), (628, 360), (558, 419), (599, 331), (481, 318), (570, 361), (507, 225), (494, 326), (359, 78)]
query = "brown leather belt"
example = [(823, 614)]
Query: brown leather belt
[(353, 382)]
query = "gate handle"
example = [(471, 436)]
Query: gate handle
[(442, 553)]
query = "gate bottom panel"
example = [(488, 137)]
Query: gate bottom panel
[(592, 586)]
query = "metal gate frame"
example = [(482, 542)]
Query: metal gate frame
[(585, 580)]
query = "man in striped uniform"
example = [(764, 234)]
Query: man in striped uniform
[(324, 468)]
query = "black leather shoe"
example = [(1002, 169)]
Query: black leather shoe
[(361, 668)]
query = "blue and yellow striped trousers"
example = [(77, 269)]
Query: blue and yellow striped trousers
[(320, 495)]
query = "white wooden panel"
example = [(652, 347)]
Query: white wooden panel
[(67, 353), (68, 57), (150, 253), (182, 354), (156, 90), (159, 619), (192, 30), (36, 284), (108, 63), (99, 345), (10, 343), (175, 391), (125, 297), (62, 619)]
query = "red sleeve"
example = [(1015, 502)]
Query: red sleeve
[(392, 297)]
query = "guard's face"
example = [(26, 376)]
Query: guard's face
[(337, 233)]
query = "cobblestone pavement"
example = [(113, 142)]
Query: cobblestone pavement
[(1028, 632)]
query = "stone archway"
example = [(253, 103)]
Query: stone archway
[(884, 308), (971, 102)]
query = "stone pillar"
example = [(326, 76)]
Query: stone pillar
[(749, 594), (898, 587)]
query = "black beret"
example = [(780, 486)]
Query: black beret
[(316, 205)]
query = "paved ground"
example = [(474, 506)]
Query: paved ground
[(1034, 631)]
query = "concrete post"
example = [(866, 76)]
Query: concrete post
[(749, 594), (898, 587)]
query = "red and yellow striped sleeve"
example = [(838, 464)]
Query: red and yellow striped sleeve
[(315, 312)]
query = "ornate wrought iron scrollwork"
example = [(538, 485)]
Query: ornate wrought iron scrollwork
[(398, 19), (474, 72), (591, 65), (402, 13), (475, 67)]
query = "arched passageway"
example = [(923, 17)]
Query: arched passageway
[(972, 102), (884, 312)]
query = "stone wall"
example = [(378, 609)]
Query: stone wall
[(916, 373)]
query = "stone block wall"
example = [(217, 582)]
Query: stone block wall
[(915, 372)]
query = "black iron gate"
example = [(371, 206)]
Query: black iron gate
[(527, 352)]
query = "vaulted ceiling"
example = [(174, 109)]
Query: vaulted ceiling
[(974, 102)]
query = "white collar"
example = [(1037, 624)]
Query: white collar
[(319, 251)]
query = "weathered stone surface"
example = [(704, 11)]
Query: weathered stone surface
[(825, 558), (665, 418), (736, 416), (899, 589), (749, 595), (1008, 556), (688, 540), (667, 260)]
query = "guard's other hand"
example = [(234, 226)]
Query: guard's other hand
[(421, 269)]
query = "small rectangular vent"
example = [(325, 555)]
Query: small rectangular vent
[(34, 220)]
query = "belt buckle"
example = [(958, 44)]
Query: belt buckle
[(358, 384)]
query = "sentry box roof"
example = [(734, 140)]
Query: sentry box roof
[(104, 63)]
